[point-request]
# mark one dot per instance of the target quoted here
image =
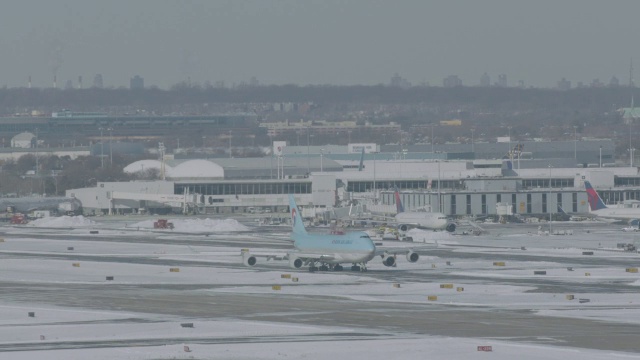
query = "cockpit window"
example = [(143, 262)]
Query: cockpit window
[(442, 217), (364, 237)]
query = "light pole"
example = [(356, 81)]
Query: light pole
[(549, 200), (230, 135), (600, 155), (321, 156), (510, 154), (472, 144), (272, 154), (101, 149), (432, 138), (308, 156), (161, 149), (439, 181), (375, 191), (36, 172), (630, 147), (575, 143), (110, 146)]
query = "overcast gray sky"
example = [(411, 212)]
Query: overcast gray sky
[(317, 42)]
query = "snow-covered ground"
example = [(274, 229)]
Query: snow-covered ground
[(490, 272), (196, 225), (180, 225), (62, 222), (436, 348)]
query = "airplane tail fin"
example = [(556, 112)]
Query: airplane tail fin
[(561, 210), (595, 202), (399, 206), (361, 166), (296, 218)]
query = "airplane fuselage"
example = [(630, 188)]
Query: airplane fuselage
[(355, 247), (426, 220), (618, 213)]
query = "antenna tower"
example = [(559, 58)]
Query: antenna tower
[(631, 84)]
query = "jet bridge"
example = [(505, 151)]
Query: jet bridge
[(183, 201)]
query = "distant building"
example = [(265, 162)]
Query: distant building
[(485, 80), (451, 81), (137, 82), (614, 82), (596, 83), (631, 114), (97, 81), (521, 84), (502, 80), (399, 81), (453, 122), (564, 84)]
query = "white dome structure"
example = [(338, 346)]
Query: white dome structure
[(142, 165), (189, 169), (196, 169)]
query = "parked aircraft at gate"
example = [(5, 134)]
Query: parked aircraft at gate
[(629, 210), (421, 219)]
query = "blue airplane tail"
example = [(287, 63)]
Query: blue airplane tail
[(561, 210), (595, 202), (296, 218)]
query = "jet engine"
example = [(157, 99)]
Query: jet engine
[(248, 259), (388, 260), (403, 227), (451, 227), (295, 263), (412, 257)]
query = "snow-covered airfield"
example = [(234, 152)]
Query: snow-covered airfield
[(107, 288)]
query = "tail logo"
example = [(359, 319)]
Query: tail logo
[(593, 198), (293, 216), (399, 206)]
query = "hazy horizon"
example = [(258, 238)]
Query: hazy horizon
[(317, 42)]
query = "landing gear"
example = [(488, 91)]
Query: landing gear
[(313, 267), (324, 267), (361, 267), (337, 267)]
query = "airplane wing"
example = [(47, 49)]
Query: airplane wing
[(250, 259), (393, 251), (312, 257)]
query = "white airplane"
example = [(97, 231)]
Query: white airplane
[(629, 210), (330, 251), (421, 219)]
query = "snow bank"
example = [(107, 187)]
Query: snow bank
[(62, 222), (197, 225)]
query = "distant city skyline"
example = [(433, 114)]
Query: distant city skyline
[(355, 42)]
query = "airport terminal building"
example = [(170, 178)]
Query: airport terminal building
[(331, 178)]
